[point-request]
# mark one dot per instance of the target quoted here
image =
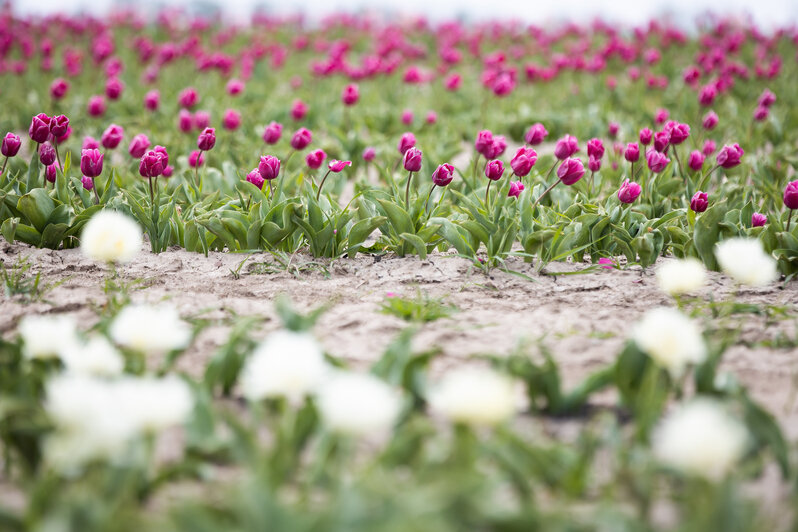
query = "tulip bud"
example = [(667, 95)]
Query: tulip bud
[(59, 88), (255, 178), (273, 133), (231, 120), (706, 96), (152, 164), (767, 98), (700, 202), (350, 95), (496, 148), (196, 158), (336, 166), (11, 145), (50, 173), (152, 100), (91, 162), (315, 159), (59, 126), (46, 154), (235, 87), (494, 170), (188, 98), (443, 175), (566, 147), (484, 142), (168, 171), (369, 153), (661, 140), (593, 164), (90, 143), (412, 160), (96, 106), (88, 183), (185, 121), (613, 129), (570, 171), (656, 161), (791, 195), (207, 139), (453, 82), (595, 148), (729, 156), (523, 161), (632, 152), (138, 146), (761, 113), (535, 134), (516, 187), (679, 133), (114, 88), (661, 116), (301, 139), (299, 110), (39, 129), (407, 117), (407, 141), (758, 220), (629, 192), (202, 119), (432, 118), (646, 136), (269, 167), (709, 147), (696, 160), (112, 136), (160, 150), (710, 120)]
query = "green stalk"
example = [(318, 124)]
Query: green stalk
[(545, 192), (318, 192), (407, 190)]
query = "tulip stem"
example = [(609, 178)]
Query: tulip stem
[(487, 194), (196, 173), (407, 190), (5, 163), (545, 192), (789, 219), (57, 156), (546, 178), (323, 179), (93, 187), (428, 197), (678, 161), (152, 192)]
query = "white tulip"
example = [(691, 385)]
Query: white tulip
[(700, 438), (111, 236), (670, 338), (150, 330), (681, 276), (46, 336), (358, 404), (744, 260), (287, 364), (95, 357), (474, 396)]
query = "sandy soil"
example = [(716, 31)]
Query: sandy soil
[(584, 319)]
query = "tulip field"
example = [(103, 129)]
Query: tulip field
[(371, 274)]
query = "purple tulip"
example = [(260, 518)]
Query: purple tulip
[(91, 162)]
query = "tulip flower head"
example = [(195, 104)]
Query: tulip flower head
[(207, 139), (151, 164), (350, 94), (758, 220), (710, 120), (152, 100), (96, 106), (412, 160), (11, 145), (39, 130), (269, 167), (59, 125), (632, 152), (91, 163), (570, 171), (523, 161), (138, 146), (255, 178), (273, 133), (696, 160), (369, 153), (231, 120), (443, 175), (536, 134), (516, 187), (112, 136), (729, 156), (315, 159), (46, 154), (566, 147), (699, 202), (407, 141), (301, 139), (629, 192), (656, 161), (336, 166)]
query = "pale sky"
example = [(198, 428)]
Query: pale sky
[(766, 13)]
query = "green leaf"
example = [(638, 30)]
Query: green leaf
[(707, 233), (9, 229), (37, 206), (416, 241), (361, 230), (33, 172), (400, 220)]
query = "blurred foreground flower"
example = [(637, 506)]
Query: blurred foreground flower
[(150, 330), (700, 438), (681, 276), (744, 260), (474, 396), (111, 236), (670, 338), (358, 404), (287, 364)]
